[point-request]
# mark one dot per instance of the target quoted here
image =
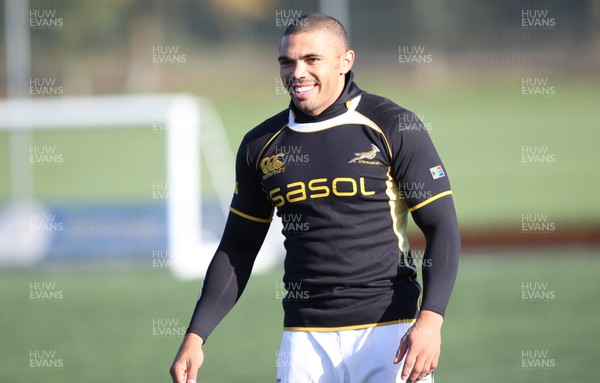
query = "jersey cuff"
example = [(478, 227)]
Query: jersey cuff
[(429, 200), (250, 217), (200, 333), (435, 309)]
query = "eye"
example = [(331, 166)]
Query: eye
[(312, 60), (284, 62)]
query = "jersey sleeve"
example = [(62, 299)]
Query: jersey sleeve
[(422, 179), (416, 165), (249, 200)]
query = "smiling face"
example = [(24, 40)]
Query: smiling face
[(313, 68)]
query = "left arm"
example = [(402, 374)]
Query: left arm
[(422, 343), (416, 163), (438, 223)]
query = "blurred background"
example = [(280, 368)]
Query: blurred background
[(92, 94)]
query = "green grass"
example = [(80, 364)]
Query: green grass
[(102, 328)]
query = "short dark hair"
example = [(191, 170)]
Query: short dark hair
[(313, 22)]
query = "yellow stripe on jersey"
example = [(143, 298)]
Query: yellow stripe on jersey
[(345, 328), (249, 217), (398, 211), (267, 144), (429, 200), (376, 127)]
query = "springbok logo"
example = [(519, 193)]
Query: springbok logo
[(365, 155)]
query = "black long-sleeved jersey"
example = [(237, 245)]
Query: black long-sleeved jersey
[(343, 184)]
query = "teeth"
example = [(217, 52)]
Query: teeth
[(304, 88)]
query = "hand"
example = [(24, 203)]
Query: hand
[(421, 344), (188, 360)]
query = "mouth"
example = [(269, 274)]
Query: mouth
[(302, 91)]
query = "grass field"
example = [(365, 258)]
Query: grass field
[(123, 323)]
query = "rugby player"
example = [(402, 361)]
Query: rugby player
[(354, 310)]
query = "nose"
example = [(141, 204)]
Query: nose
[(299, 70)]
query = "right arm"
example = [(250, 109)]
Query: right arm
[(225, 281), (228, 272)]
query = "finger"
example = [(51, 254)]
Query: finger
[(401, 350), (424, 372), (415, 375), (409, 362), (178, 372), (182, 371), (430, 364), (429, 368), (418, 371), (192, 373), (433, 366), (414, 367)]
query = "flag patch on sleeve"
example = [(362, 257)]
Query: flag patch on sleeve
[(437, 172)]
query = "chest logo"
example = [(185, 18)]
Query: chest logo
[(272, 165), (366, 157)]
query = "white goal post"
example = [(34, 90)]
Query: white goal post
[(193, 128)]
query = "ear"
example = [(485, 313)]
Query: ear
[(346, 61)]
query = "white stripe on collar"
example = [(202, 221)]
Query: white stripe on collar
[(348, 117)]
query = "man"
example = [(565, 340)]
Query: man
[(352, 312)]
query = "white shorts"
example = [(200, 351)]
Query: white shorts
[(349, 356)]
